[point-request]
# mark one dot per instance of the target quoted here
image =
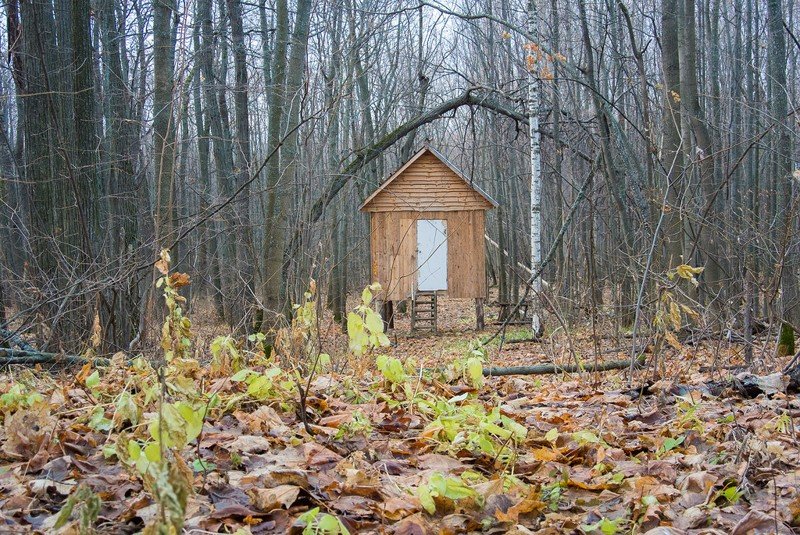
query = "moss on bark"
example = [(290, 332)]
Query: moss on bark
[(786, 340)]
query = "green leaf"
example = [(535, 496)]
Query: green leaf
[(152, 452), (425, 499), (134, 450), (366, 296), (486, 446), (475, 372), (309, 516), (193, 418), (109, 450), (519, 431), (670, 444), (459, 398), (383, 340), (606, 526), (241, 375), (358, 339), (126, 410), (438, 484), (354, 322), (391, 368), (170, 428), (98, 420), (585, 437), (447, 487), (496, 430), (374, 322), (456, 490), (260, 387), (552, 435), (93, 380), (198, 465), (324, 360), (330, 525), (649, 500)]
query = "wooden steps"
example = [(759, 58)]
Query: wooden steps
[(423, 312)]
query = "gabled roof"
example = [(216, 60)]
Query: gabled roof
[(424, 150)]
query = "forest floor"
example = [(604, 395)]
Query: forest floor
[(400, 450)]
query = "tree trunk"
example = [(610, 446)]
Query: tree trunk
[(163, 118), (225, 251), (671, 154), (244, 249), (534, 56), (701, 153), (122, 319), (616, 182), (274, 238), (782, 171)]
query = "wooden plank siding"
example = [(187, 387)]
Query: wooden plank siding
[(393, 244), (428, 184), (428, 187)]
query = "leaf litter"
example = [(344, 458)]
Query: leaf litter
[(410, 443)]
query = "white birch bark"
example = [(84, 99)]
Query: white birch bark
[(536, 162)]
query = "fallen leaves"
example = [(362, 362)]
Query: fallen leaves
[(405, 454), (270, 499), (26, 431)]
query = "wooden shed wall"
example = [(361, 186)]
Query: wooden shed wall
[(393, 247), (427, 185)]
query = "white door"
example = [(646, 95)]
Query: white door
[(431, 254)]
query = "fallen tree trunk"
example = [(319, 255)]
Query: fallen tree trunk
[(547, 369), (14, 339), (21, 356)]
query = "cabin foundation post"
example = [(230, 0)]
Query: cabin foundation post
[(480, 320), (387, 314)]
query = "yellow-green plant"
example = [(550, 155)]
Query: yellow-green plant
[(439, 486), (364, 325), (470, 367), (176, 333), (226, 355), (317, 523), (19, 396), (157, 459), (468, 426), (86, 504)]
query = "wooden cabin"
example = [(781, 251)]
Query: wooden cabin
[(427, 225)]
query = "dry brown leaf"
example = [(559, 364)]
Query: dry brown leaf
[(319, 456), (530, 504), (249, 444), (760, 523), (413, 525), (275, 498), (545, 454), (26, 430), (395, 508)]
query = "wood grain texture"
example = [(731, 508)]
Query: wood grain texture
[(393, 244), (428, 184)]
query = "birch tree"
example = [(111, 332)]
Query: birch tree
[(533, 103)]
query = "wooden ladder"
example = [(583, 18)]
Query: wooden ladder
[(423, 312)]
